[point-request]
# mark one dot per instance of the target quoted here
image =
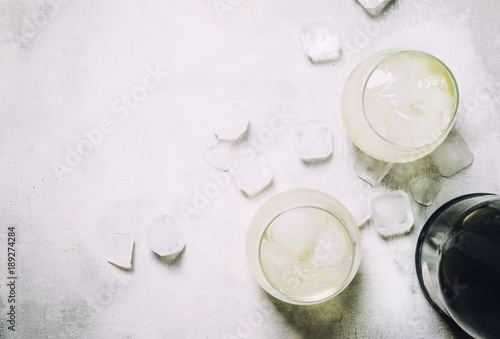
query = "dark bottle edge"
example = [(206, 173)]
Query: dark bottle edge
[(421, 238)]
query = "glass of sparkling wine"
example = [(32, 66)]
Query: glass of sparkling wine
[(303, 247), (398, 105)]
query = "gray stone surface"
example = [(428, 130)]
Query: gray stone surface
[(96, 138)]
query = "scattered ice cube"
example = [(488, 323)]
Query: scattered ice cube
[(219, 153), (232, 123), (370, 169), (250, 171), (164, 237), (314, 139), (392, 213), (453, 155), (320, 40), (425, 188), (297, 230), (374, 7), (120, 250), (357, 203)]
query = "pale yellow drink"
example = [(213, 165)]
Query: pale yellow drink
[(399, 105), (303, 247)]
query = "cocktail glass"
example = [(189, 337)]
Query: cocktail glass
[(303, 247), (398, 105)]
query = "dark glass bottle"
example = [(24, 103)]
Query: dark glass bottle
[(458, 262), (469, 271)]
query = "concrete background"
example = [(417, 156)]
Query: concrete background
[(70, 67)]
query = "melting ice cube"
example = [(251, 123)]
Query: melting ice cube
[(164, 237), (297, 230), (357, 203), (314, 140), (370, 169), (305, 252), (317, 280), (250, 171), (281, 266), (452, 156), (232, 123), (425, 188), (331, 247), (219, 153), (320, 40), (392, 213), (120, 250), (374, 7)]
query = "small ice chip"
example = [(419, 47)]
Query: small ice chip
[(219, 153), (250, 171), (452, 156), (232, 123), (314, 139), (320, 40), (164, 237), (120, 250), (425, 188), (374, 7), (392, 213), (357, 204), (370, 169)]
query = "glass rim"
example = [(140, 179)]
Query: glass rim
[(451, 122), (330, 293)]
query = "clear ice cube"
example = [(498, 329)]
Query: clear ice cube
[(358, 204), (320, 40), (297, 230), (233, 123), (164, 237), (305, 252), (120, 250), (250, 171), (331, 262), (453, 155), (374, 7), (425, 188), (434, 92), (389, 83), (281, 266), (392, 213), (219, 153), (315, 280), (314, 139), (370, 169), (331, 247)]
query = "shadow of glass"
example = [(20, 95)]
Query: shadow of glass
[(324, 320)]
